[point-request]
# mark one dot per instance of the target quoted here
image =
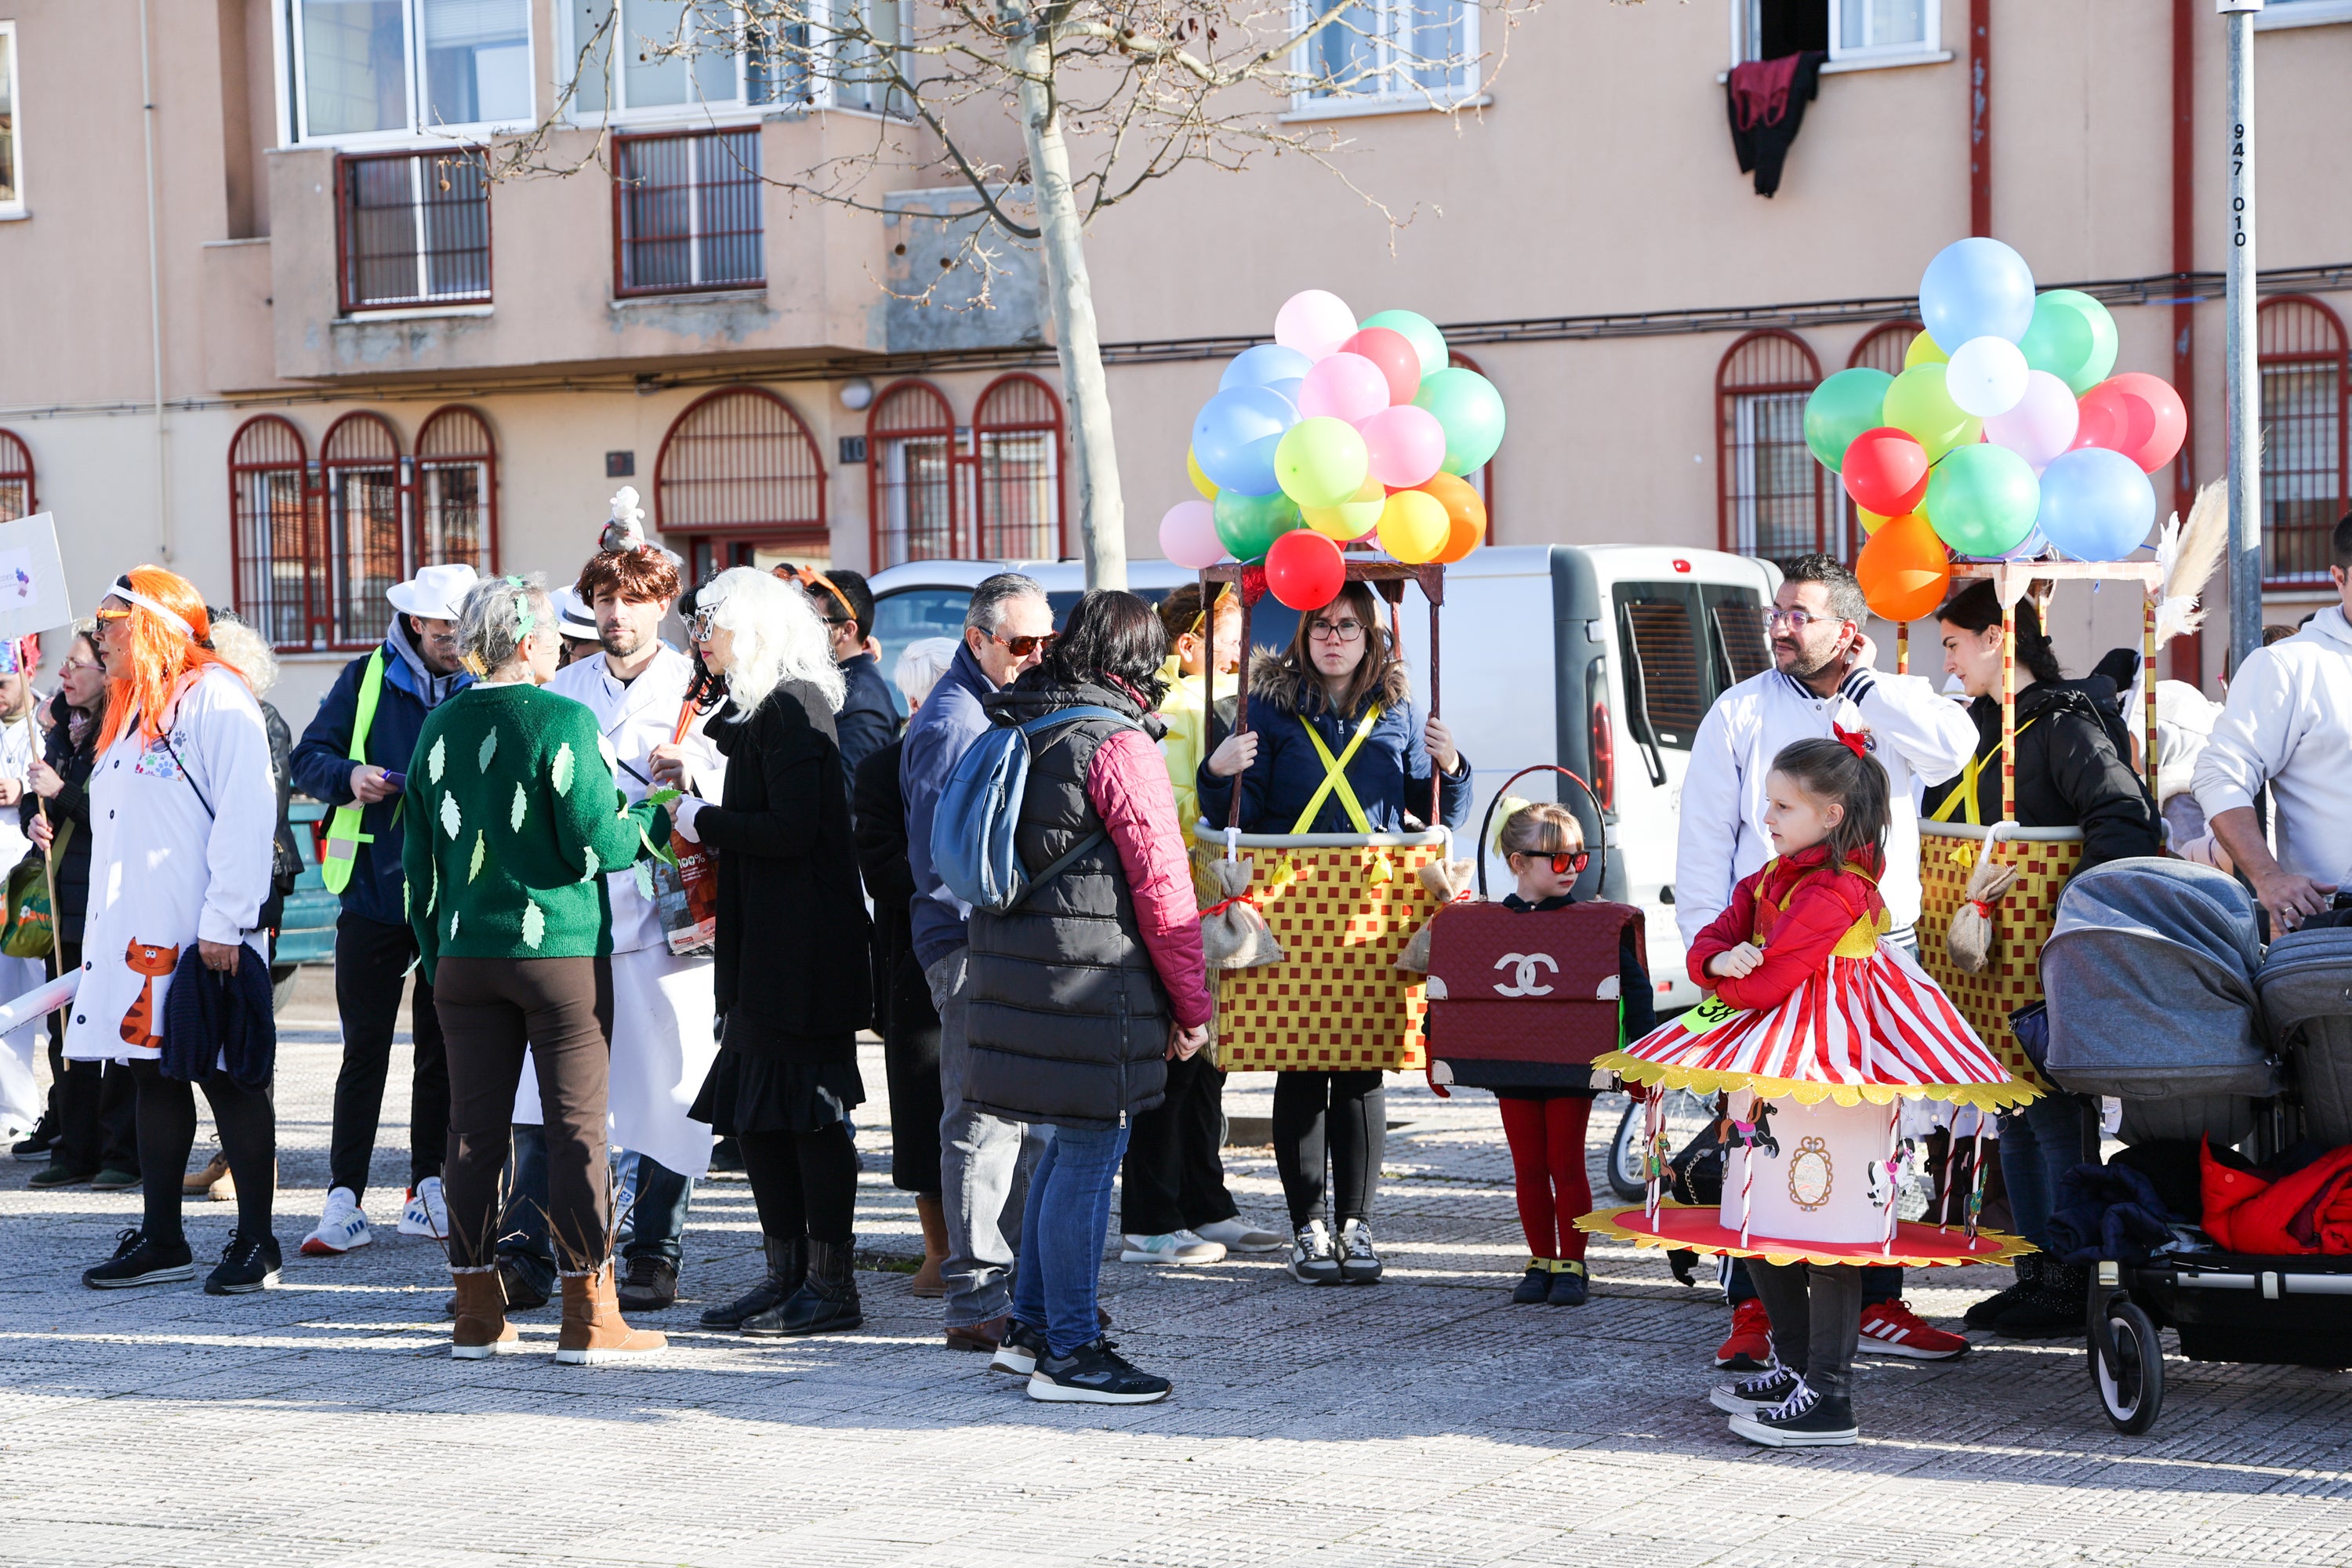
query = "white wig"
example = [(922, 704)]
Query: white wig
[(778, 638), (922, 665)]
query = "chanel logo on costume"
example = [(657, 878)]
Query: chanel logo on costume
[(1524, 984)]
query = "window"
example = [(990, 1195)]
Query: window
[(1855, 31), (2301, 14), (414, 229), (12, 182), (1394, 51), (715, 54), (361, 465), (399, 67), (1768, 490), (457, 490), (910, 475), (271, 537), (18, 495), (2301, 350), (686, 212), (1017, 436), (740, 468)]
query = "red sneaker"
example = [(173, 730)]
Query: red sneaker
[(1892, 1328), (1750, 1348)]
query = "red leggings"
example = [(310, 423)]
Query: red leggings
[(1546, 1138)]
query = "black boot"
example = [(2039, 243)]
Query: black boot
[(826, 1302), (1984, 1314), (2058, 1308), (787, 1267)]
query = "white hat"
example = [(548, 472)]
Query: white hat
[(435, 593), (573, 618)]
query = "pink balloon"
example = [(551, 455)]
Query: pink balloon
[(1315, 323), (1187, 535), (1407, 445), (1344, 387), (2042, 423)]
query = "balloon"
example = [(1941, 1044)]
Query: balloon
[(1304, 570), (1248, 524), (1414, 527), (1918, 404), (1886, 471), (1904, 569), (2097, 505), (1315, 323), (1421, 333), (1321, 461), (1235, 435), (1187, 535), (1267, 364), (2138, 414), (2042, 424), (1465, 515), (1986, 376), (1975, 288), (1981, 500), (1840, 408), (1923, 351), (1201, 481), (1351, 519), (2032, 545), (1343, 387), (1470, 409), (1872, 521), (2073, 338), (1394, 353), (1407, 445)]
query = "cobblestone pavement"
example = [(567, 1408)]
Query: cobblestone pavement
[(1425, 1421)]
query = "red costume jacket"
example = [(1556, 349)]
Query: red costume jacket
[(1797, 907)]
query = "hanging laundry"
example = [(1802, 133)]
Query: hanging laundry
[(1767, 100)]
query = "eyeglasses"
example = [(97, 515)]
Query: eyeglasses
[(706, 620), (1335, 631), (1022, 648), (1565, 862), (111, 614), (80, 664), (1798, 621)]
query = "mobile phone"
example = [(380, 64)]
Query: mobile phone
[(397, 781)]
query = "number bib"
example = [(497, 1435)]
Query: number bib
[(1710, 1014)]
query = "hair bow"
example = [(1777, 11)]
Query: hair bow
[(1854, 741)]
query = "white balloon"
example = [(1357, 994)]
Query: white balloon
[(1986, 376), (1315, 321)]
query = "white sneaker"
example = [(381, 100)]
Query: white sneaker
[(342, 1228), (1182, 1247), (427, 1214), (1240, 1236)]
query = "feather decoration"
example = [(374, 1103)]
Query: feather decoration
[(2189, 555)]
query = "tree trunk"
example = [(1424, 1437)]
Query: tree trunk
[(1102, 515)]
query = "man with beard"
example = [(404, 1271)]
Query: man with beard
[(1822, 683)]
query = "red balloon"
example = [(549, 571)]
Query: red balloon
[(1303, 569), (1399, 361), (1886, 471), (2136, 414)]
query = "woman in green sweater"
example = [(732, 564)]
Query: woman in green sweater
[(519, 818)]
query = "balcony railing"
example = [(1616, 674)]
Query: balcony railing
[(412, 229), (686, 212)]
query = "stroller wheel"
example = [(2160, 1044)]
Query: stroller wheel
[(2132, 1391)]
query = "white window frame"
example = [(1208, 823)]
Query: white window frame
[(14, 207), (1843, 57), (717, 112), (1461, 94), (2301, 14), (295, 113)]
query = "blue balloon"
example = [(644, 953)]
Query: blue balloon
[(1234, 436), (1976, 289), (2097, 505), (1269, 365)]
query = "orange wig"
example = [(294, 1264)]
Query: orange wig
[(164, 661)]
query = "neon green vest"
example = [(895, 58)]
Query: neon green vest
[(343, 834)]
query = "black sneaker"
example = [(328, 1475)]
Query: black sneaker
[(1569, 1285), (138, 1261), (1359, 1264), (1312, 1260), (1804, 1420), (1754, 1396), (1019, 1349), (56, 1175), (1535, 1288), (1095, 1374), (248, 1264), (38, 1144)]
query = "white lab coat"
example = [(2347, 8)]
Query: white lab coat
[(662, 1004), (21, 1101), (166, 869)]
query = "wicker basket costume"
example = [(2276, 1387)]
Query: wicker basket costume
[(2044, 858)]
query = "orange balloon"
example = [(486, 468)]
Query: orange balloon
[(1904, 569), (1465, 515)]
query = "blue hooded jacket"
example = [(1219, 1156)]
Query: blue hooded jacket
[(942, 731)]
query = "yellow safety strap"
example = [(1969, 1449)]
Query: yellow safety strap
[(343, 834), (1335, 775), (1967, 790)]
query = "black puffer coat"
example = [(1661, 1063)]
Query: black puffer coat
[(71, 803), (902, 997), (1068, 1021), (2073, 770)]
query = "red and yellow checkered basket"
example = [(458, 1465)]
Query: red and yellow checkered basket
[(2021, 921)]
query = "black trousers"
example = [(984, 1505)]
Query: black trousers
[(1175, 1178), (372, 960), (804, 1183), (167, 1131), (1340, 1118), (96, 1103)]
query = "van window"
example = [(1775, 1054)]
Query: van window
[(911, 615), (1683, 644), (1742, 634)]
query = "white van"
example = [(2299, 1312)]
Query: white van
[(1599, 658)]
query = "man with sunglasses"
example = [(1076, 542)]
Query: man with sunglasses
[(868, 719)]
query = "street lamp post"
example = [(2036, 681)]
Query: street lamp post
[(2241, 377)]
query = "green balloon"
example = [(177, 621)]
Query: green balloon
[(1420, 331), (1917, 404), (2073, 338), (1842, 407), (1250, 524), (1321, 462), (1983, 499), (1470, 409)]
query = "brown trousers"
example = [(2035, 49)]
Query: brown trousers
[(561, 1009)]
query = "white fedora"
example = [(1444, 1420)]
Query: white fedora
[(572, 615), (435, 593)]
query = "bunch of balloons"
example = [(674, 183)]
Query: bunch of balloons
[(2006, 436), (1335, 433)]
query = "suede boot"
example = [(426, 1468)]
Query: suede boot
[(826, 1302), (592, 1330), (1985, 1313), (481, 1329), (787, 1267), (934, 1216), (2058, 1308)]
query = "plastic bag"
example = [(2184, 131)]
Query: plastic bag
[(1234, 935), (1450, 881), (1970, 939)]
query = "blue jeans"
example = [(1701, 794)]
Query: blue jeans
[(1062, 1234), (660, 1214), (2040, 1142)]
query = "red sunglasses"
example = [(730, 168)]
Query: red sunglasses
[(1565, 862)]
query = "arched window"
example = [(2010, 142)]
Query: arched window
[(367, 550), (911, 479), (18, 495), (457, 490), (1483, 481), (739, 474), (272, 558), (1017, 436), (1883, 347), (2300, 343), (1768, 493)]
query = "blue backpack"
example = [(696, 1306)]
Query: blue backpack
[(972, 843)]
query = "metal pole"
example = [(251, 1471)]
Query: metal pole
[(2242, 386)]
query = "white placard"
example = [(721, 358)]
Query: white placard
[(32, 577)]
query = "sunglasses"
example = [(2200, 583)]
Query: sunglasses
[(1022, 648), (110, 615), (1564, 863)]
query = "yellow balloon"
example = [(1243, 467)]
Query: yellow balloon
[(1351, 519), (1414, 527), (1870, 519), (1923, 351), (1201, 481)]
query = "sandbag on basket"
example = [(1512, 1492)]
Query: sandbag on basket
[(1449, 880), (1970, 942), (2305, 983), (1233, 936)]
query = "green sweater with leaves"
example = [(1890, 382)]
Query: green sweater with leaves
[(517, 817)]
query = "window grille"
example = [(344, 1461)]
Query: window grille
[(2299, 344), (739, 461), (360, 464), (1017, 434), (19, 496), (275, 560), (1769, 494), (910, 475), (456, 491), (413, 228), (686, 212)]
